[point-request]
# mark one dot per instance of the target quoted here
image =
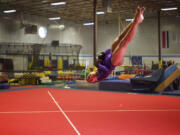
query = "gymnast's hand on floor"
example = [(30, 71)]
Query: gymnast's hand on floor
[(139, 15), (92, 77)]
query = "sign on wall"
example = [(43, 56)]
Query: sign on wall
[(170, 38), (136, 60)]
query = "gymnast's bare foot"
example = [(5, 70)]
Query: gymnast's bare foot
[(139, 15)]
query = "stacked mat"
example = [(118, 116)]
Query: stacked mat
[(148, 82), (157, 81)]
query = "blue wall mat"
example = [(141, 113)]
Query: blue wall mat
[(136, 60), (65, 64), (54, 63)]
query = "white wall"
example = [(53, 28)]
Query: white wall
[(144, 43)]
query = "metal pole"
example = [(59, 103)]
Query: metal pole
[(159, 35), (95, 31)]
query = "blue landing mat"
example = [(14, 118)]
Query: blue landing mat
[(119, 85)]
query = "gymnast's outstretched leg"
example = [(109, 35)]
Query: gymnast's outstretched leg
[(120, 45)]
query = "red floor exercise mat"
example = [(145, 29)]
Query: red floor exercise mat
[(126, 122), (93, 100), (35, 124), (27, 100), (75, 112), (115, 113)]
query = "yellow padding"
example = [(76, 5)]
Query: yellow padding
[(47, 62), (12, 80), (47, 72), (60, 72), (60, 63), (168, 81), (40, 74), (30, 64), (160, 64)]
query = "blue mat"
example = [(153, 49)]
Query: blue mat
[(5, 86), (121, 86), (126, 86), (115, 85), (168, 72)]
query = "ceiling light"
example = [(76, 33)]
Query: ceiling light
[(88, 24), (58, 3), (99, 13), (62, 27), (9, 11), (167, 9), (55, 18), (44, 1), (42, 32), (129, 20)]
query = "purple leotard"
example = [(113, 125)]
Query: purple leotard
[(106, 67)]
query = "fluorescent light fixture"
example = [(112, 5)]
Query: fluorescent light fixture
[(58, 3), (99, 13), (9, 11), (167, 9), (55, 18), (129, 20), (88, 24)]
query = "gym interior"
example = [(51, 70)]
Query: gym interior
[(48, 48)]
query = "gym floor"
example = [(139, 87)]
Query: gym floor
[(52, 111)]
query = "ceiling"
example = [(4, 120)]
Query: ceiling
[(82, 10)]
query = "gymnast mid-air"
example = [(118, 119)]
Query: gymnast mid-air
[(109, 59)]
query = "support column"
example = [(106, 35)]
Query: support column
[(95, 31)]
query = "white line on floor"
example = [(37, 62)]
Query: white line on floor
[(29, 112), (170, 110), (63, 113), (86, 111)]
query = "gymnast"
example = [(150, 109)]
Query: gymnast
[(109, 59)]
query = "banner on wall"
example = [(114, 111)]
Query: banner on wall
[(165, 39), (136, 60)]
